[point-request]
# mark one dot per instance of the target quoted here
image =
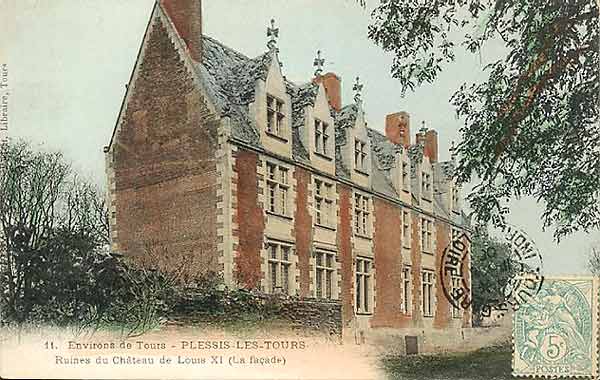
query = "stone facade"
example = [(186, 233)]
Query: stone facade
[(220, 161)]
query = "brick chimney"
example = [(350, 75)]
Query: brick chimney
[(397, 128), (429, 139), (333, 89), (186, 15), (431, 145)]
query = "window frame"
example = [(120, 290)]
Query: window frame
[(322, 138), (360, 155), (427, 235), (324, 196), (325, 274), (405, 175), (278, 189), (362, 215), (363, 285), (427, 292), (279, 262), (426, 185), (406, 229), (276, 117), (455, 199), (406, 290)]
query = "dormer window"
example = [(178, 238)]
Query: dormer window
[(275, 117), (321, 137), (455, 198), (405, 177), (426, 185), (360, 155)]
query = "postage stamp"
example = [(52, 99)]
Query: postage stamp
[(556, 333)]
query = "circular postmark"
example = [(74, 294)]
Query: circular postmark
[(454, 271), (513, 265)]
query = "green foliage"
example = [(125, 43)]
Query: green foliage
[(52, 265), (532, 128), (490, 271)]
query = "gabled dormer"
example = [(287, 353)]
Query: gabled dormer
[(446, 189), (423, 156), (320, 126), (354, 145), (400, 175), (272, 109)]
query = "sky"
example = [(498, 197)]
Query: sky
[(69, 62)]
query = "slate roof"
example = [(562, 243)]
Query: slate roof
[(230, 78), (384, 149)]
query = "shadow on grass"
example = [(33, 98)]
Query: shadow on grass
[(491, 363)]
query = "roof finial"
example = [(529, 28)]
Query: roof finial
[(357, 88), (318, 63), (272, 34)]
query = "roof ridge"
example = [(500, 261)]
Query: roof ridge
[(216, 41)]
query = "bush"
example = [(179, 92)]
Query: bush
[(71, 281)]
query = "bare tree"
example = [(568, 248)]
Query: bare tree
[(39, 195)]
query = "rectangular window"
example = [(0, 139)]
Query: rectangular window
[(277, 188), (321, 137), (324, 204), (361, 214), (455, 287), (426, 235), (406, 235), (426, 185), (407, 290), (455, 206), (324, 274), (275, 116), (427, 282), (405, 175), (363, 285), (279, 261), (360, 155)]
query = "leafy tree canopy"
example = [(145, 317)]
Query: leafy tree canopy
[(491, 270), (532, 128)]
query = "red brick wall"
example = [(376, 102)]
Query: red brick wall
[(387, 245), (303, 229), (250, 220), (415, 256), (163, 162), (442, 313), (344, 237)]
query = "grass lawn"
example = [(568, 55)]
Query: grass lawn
[(493, 363)]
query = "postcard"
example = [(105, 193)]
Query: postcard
[(299, 189)]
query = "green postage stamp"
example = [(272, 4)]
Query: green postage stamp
[(555, 333)]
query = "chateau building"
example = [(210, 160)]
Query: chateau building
[(217, 161)]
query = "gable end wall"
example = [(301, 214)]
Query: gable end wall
[(161, 165)]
